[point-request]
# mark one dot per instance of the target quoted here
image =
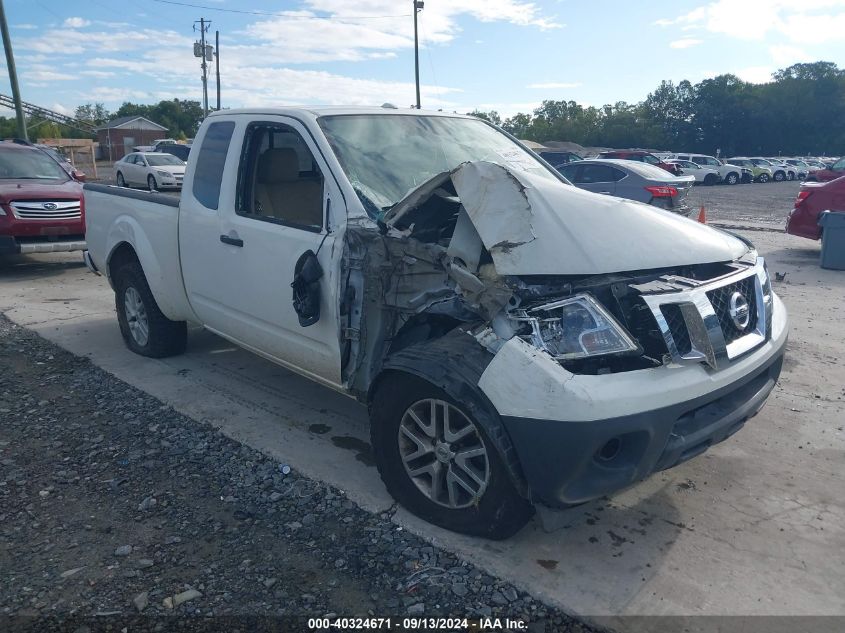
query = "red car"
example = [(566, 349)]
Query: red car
[(41, 207), (642, 157), (813, 198), (837, 170)]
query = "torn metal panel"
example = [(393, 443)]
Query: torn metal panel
[(534, 226)]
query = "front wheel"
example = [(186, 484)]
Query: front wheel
[(790, 176), (121, 181), (732, 178), (437, 461), (763, 178), (151, 183), (779, 176), (146, 331)]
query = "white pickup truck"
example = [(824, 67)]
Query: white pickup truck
[(517, 340)]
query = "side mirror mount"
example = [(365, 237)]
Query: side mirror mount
[(77, 175), (306, 288)]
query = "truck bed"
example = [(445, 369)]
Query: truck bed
[(148, 222)]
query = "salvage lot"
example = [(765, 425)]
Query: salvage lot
[(755, 526)]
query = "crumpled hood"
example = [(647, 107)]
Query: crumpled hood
[(532, 225)]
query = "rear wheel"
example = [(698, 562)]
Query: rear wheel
[(790, 176), (710, 179), (763, 178), (732, 178), (121, 182), (438, 462), (779, 176), (146, 331)]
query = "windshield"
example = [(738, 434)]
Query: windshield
[(159, 160), (651, 160), (387, 156), (761, 162), (29, 164)]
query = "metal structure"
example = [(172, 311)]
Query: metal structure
[(13, 74), (49, 115), (418, 6)]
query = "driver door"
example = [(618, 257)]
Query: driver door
[(241, 240)]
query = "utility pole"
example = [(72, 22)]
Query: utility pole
[(418, 6), (13, 74), (200, 50), (217, 63)]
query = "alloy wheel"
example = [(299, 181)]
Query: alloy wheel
[(443, 453), (136, 316)]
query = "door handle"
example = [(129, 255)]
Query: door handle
[(231, 241)]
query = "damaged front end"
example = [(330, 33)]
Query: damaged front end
[(499, 254)]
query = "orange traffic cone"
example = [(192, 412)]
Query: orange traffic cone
[(702, 215)]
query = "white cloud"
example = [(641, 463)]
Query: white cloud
[(58, 107), (258, 67), (553, 85), (783, 55), (76, 23), (686, 42), (47, 75), (755, 74), (25, 27), (97, 73), (809, 21)]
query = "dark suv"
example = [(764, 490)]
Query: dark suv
[(556, 158), (177, 149), (642, 156)]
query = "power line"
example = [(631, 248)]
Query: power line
[(281, 15)]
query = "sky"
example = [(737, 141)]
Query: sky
[(503, 55)]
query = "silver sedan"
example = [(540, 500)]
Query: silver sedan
[(632, 180)]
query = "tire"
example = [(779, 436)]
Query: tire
[(121, 181), (763, 178), (497, 511), (779, 176), (146, 331), (710, 180), (151, 183), (732, 178), (790, 176)]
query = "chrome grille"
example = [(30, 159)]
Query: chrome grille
[(677, 327), (46, 209), (696, 320), (720, 299)]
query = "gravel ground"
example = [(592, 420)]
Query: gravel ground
[(767, 203), (117, 510)]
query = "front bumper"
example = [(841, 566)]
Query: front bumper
[(11, 245), (580, 437), (566, 463)]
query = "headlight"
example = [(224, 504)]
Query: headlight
[(166, 174), (574, 328), (765, 280)]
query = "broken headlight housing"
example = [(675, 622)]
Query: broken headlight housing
[(574, 328)]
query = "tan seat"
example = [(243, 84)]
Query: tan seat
[(281, 194)]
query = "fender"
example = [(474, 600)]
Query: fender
[(165, 281)]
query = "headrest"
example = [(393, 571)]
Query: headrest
[(279, 164)]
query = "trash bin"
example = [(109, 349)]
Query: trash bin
[(833, 240)]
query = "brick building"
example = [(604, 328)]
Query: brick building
[(119, 136)]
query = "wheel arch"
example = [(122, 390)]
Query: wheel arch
[(454, 363)]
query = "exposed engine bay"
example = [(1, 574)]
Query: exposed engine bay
[(461, 251)]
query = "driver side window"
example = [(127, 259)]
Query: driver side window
[(280, 181)]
